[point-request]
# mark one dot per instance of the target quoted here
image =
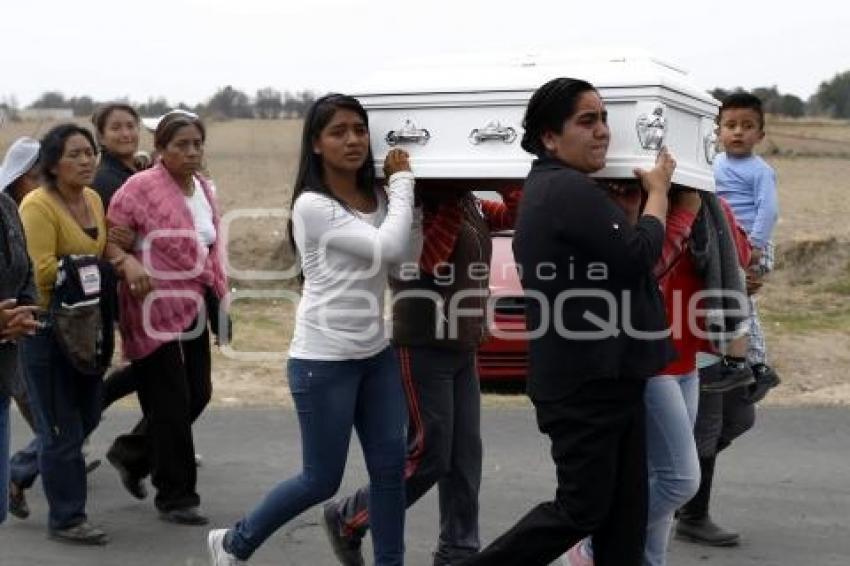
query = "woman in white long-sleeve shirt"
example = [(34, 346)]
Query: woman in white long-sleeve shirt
[(342, 371)]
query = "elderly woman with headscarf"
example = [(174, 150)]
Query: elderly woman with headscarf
[(18, 176)]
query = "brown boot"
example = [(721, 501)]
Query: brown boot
[(706, 532), (695, 524)]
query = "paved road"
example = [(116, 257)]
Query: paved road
[(786, 486)]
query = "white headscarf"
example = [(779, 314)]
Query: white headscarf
[(20, 158)]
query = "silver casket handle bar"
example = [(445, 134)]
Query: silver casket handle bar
[(493, 131), (408, 133)]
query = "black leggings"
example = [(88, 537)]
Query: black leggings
[(176, 389), (598, 437)]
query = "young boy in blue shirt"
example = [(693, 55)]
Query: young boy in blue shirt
[(748, 184)]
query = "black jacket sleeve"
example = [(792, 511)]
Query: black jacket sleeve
[(28, 295), (106, 182), (589, 220)]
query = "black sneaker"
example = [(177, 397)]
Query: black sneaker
[(706, 532), (131, 483), (185, 516), (346, 548), (18, 501), (84, 533), (725, 376), (766, 379)]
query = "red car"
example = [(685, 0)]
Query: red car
[(505, 358)]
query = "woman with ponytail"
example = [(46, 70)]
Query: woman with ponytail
[(603, 332)]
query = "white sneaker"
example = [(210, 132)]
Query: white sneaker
[(219, 556)]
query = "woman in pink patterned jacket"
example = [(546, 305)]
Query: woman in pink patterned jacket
[(172, 273)]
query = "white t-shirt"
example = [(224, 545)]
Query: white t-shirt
[(202, 215), (345, 258)]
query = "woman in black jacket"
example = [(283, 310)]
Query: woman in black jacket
[(117, 125), (17, 295), (19, 174), (588, 278)]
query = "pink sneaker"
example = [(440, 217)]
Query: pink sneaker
[(578, 555)]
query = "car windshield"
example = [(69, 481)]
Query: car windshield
[(488, 195)]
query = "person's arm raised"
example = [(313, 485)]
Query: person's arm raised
[(323, 221), (656, 183), (585, 216)]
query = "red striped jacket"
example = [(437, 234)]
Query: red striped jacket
[(441, 226)]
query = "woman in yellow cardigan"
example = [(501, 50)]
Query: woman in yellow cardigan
[(63, 217)]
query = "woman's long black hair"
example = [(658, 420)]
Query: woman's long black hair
[(310, 175)]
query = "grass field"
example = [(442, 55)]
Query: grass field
[(805, 305)]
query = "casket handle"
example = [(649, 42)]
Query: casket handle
[(710, 145), (492, 131), (408, 133)]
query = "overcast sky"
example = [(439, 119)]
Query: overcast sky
[(185, 49)]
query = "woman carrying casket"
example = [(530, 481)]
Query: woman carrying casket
[(605, 332), (438, 323), (343, 374)]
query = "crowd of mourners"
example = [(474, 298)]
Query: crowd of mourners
[(95, 232)]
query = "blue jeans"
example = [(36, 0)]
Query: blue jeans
[(66, 405), (671, 408), (443, 447), (23, 467), (331, 397), (4, 455)]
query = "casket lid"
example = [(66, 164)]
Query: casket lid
[(510, 72)]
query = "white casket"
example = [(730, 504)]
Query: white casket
[(463, 119)]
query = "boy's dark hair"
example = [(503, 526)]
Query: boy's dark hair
[(743, 100), (549, 107), (53, 148)]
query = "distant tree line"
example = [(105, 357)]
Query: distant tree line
[(832, 99), (772, 100), (227, 102)]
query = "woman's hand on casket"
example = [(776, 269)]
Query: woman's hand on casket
[(658, 179), (395, 161)]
